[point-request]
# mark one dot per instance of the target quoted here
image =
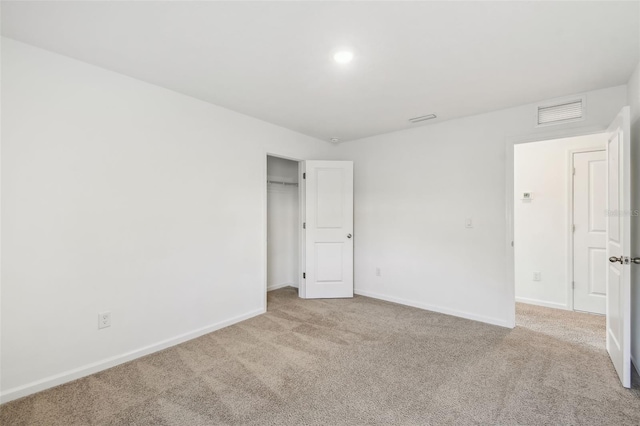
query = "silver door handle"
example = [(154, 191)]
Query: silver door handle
[(635, 260), (614, 259), (348, 235)]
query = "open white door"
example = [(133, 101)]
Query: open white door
[(328, 243), (619, 245)]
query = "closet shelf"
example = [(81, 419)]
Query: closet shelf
[(276, 182)]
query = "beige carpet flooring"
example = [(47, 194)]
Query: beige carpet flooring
[(352, 362)]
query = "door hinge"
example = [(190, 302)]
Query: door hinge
[(574, 171), (304, 275), (304, 225), (304, 176), (574, 228), (573, 285)]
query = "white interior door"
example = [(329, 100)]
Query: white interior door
[(590, 231), (328, 229), (618, 246)]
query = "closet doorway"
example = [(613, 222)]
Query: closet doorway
[(283, 223)]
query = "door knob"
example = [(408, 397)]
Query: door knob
[(635, 260), (614, 259), (349, 236)]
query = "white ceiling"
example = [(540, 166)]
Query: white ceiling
[(273, 60)]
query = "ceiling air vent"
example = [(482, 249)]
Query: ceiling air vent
[(559, 113), (422, 118)]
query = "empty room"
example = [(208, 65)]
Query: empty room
[(320, 213)]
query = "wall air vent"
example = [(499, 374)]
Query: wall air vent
[(422, 118), (561, 112)]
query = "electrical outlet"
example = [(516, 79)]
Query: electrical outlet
[(536, 276), (377, 272), (104, 319)]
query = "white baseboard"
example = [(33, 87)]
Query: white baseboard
[(537, 302), (277, 286), (439, 309), (77, 373), (633, 362)]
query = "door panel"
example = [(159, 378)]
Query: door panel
[(329, 262), (329, 229), (618, 246), (590, 232), (614, 188), (598, 193), (598, 273), (329, 198)]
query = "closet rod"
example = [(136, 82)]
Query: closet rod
[(282, 183)]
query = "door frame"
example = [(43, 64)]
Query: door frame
[(570, 211), (302, 233), (265, 218), (510, 143)]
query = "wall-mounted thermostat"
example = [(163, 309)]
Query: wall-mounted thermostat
[(527, 196)]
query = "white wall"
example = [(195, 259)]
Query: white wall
[(633, 98), (283, 221), (413, 191), (125, 197), (119, 195), (541, 225)]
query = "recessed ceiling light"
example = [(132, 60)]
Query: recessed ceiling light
[(335, 140), (343, 57)]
